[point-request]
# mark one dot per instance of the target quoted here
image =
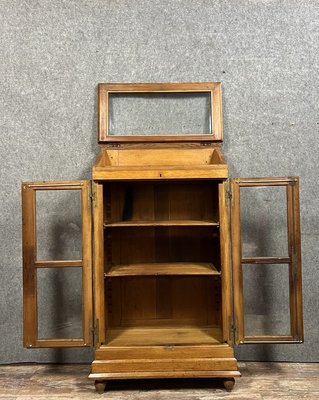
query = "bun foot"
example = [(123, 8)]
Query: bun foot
[(229, 384), (100, 386)]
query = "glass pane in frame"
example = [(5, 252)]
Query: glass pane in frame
[(58, 224), (263, 220), (59, 293), (266, 299), (159, 114)]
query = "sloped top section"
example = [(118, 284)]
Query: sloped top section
[(160, 112), (160, 163)]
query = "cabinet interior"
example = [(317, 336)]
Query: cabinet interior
[(162, 262)]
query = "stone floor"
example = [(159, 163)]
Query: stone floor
[(278, 381)]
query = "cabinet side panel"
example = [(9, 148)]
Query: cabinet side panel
[(99, 265)]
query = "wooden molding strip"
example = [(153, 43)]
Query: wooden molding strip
[(266, 260)]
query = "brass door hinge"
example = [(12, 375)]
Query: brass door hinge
[(95, 332), (92, 198), (228, 194), (233, 330)]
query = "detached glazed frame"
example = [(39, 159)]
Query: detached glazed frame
[(213, 88), (293, 260), (31, 264)]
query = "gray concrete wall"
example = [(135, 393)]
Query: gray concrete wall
[(53, 54)]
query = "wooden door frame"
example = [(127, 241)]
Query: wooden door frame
[(293, 260), (212, 88), (31, 264)]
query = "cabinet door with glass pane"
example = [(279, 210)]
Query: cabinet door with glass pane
[(57, 264), (266, 254)]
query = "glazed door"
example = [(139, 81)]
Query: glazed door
[(266, 258), (57, 264)]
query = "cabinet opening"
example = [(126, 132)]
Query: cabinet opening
[(173, 202), (163, 310), (194, 250), (162, 264)]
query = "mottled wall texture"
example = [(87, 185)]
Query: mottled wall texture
[(53, 54)]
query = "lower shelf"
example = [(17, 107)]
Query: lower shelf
[(157, 336), (181, 268)]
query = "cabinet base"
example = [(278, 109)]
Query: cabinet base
[(227, 376), (163, 375), (119, 363)]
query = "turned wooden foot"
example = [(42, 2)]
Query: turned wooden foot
[(100, 386), (229, 384)]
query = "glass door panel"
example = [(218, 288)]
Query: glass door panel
[(266, 260), (57, 264)]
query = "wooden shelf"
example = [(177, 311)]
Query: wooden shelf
[(181, 268), (121, 224), (156, 336)]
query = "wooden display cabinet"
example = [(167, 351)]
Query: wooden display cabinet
[(166, 303)]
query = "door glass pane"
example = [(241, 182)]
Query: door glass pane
[(59, 224), (59, 303), (263, 214), (266, 299), (159, 113)]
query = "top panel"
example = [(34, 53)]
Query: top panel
[(160, 112)]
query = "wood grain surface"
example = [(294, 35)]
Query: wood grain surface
[(259, 381)]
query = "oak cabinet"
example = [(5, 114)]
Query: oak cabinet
[(160, 223)]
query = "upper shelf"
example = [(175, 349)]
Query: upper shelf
[(160, 112), (134, 223)]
